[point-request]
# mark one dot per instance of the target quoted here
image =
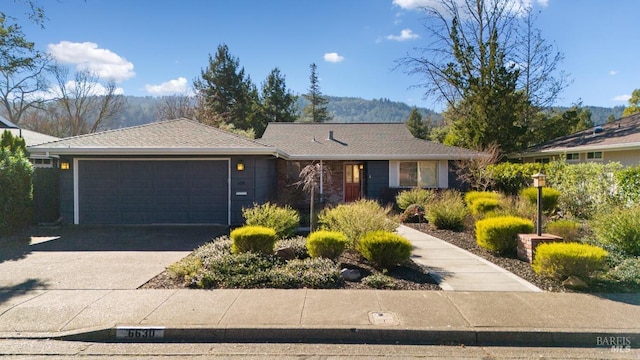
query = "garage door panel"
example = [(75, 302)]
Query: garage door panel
[(153, 191)]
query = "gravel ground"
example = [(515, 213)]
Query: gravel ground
[(466, 240)]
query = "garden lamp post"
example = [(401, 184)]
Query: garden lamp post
[(539, 181)]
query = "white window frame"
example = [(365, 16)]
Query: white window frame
[(572, 160), (434, 164), (594, 158)]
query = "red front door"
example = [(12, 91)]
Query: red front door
[(352, 182)]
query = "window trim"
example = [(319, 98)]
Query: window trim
[(436, 179), (594, 158)]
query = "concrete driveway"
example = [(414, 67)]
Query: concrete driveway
[(95, 257)]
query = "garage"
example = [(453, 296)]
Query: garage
[(152, 191)]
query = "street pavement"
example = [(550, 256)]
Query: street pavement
[(493, 317)]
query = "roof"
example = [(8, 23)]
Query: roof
[(30, 137), (5, 123), (622, 134), (172, 137), (362, 141)]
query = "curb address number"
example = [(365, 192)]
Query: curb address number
[(140, 332)]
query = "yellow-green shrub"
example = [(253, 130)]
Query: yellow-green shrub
[(257, 239), (326, 244), (471, 196), (561, 260), (482, 206), (550, 197), (500, 234), (414, 196), (568, 230), (283, 219), (448, 211), (385, 249)]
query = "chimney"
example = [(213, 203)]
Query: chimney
[(330, 135)]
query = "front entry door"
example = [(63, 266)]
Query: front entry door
[(352, 182)]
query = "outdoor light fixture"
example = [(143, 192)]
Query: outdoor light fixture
[(539, 181), (65, 165), (240, 166), (361, 166)]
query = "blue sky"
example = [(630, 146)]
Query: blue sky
[(157, 47)]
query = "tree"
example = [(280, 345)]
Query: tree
[(489, 77), (278, 103), (224, 94), (417, 125), (310, 179), (14, 144), (85, 104), (23, 68), (316, 110), (176, 107), (634, 104)]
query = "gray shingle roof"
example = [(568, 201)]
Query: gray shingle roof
[(31, 137), (371, 141), (166, 137), (622, 134)]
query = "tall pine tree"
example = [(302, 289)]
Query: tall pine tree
[(316, 110), (278, 103), (418, 127)]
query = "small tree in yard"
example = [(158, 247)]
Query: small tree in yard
[(310, 180)]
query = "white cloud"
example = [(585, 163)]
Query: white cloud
[(171, 87), (613, 72), (413, 4), (543, 3), (92, 89), (518, 5), (405, 34), (88, 56), (623, 98), (333, 57)]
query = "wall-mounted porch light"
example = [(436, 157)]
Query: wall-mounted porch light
[(361, 166), (240, 166), (65, 165)]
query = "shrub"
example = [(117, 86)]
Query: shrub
[(561, 260), (620, 229), (189, 267), (482, 206), (244, 270), (549, 197), (510, 178), (380, 281), (297, 243), (471, 196), (448, 211), (185, 269), (284, 220), (356, 219), (416, 196), (257, 239), (413, 214), (500, 234), (627, 271), (16, 184), (628, 185), (326, 244), (568, 230), (316, 273), (385, 249)]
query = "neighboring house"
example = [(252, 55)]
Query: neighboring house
[(184, 172), (30, 138), (617, 141)]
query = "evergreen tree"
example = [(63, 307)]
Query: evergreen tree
[(418, 127), (225, 95), (316, 110), (634, 104), (278, 103), (13, 144)]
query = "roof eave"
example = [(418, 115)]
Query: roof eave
[(559, 151), (370, 157), (155, 151)]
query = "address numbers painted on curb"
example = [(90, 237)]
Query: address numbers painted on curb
[(133, 332)]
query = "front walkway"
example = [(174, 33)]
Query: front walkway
[(456, 269)]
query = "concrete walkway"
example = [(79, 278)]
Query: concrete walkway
[(456, 269)]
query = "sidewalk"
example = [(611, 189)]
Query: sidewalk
[(334, 316), (457, 269)]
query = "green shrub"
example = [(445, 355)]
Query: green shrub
[(284, 220), (471, 196), (185, 269), (550, 197), (628, 185), (356, 219), (561, 260), (257, 239), (448, 211), (482, 206), (510, 178), (385, 249), (297, 243), (627, 271), (500, 234), (619, 228), (243, 270), (315, 273), (380, 281), (414, 213), (568, 230), (326, 244), (189, 267), (417, 196), (16, 191)]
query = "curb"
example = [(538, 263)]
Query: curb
[(591, 338)]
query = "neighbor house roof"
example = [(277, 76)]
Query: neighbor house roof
[(623, 134), (368, 141), (30, 137), (172, 137)]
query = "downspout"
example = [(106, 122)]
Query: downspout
[(321, 182)]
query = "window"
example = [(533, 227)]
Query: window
[(419, 173), (573, 157), (542, 160), (42, 162), (594, 155)]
